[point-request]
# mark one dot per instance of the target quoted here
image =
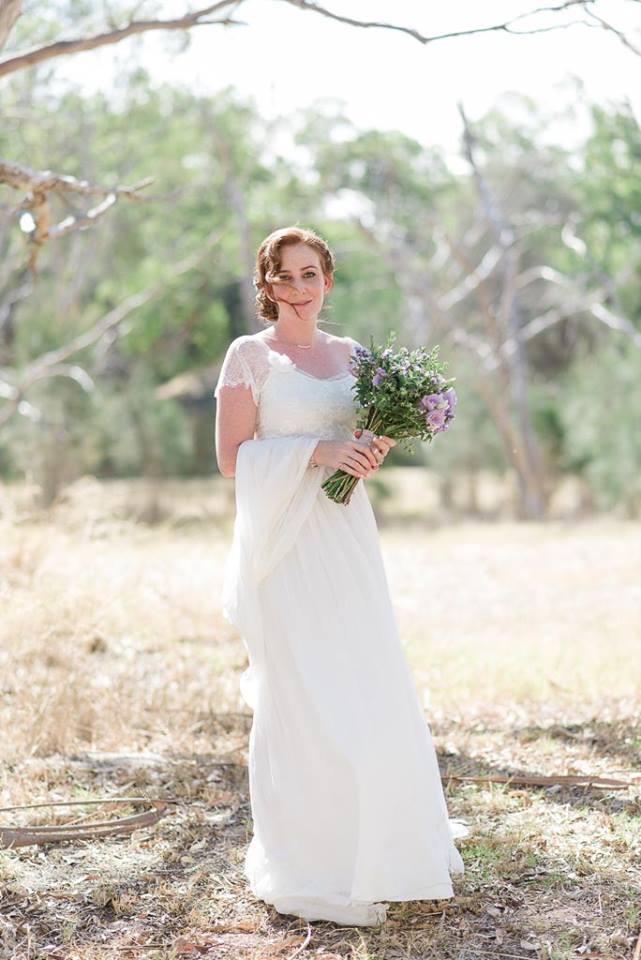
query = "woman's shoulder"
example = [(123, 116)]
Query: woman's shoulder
[(247, 344), (245, 363), (345, 341), (351, 345), (249, 350)]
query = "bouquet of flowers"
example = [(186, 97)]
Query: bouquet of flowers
[(402, 394)]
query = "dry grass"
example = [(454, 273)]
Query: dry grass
[(119, 676)]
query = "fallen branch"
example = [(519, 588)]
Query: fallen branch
[(540, 781), (28, 836)]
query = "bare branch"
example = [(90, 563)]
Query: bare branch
[(589, 304), (81, 222), (61, 48), (476, 344), (509, 308), (541, 272), (606, 25), (200, 18), (504, 27), (29, 180), (10, 10), (615, 322), (37, 185), (471, 281)]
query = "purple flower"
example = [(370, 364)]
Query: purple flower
[(378, 376), (435, 419), (434, 401), (450, 396)]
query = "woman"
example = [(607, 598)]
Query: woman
[(346, 797)]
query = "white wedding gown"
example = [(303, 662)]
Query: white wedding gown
[(346, 796)]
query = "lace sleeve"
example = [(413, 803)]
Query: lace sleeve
[(244, 365)]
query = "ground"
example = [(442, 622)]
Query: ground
[(120, 678)]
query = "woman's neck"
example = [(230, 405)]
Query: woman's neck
[(300, 336)]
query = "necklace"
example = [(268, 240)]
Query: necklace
[(304, 346)]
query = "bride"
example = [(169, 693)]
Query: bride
[(346, 797)]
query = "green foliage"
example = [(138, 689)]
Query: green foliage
[(385, 203), (610, 198), (600, 412), (131, 432)]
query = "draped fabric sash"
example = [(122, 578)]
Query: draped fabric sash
[(275, 490)]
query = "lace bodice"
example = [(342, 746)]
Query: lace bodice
[(290, 400)]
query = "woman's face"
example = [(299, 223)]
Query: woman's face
[(301, 281)]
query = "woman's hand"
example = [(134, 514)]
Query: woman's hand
[(356, 457), (379, 443)]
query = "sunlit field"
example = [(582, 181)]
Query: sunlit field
[(119, 676)]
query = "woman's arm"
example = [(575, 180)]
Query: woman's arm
[(235, 423), (242, 373)]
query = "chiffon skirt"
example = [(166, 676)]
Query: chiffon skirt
[(346, 795)]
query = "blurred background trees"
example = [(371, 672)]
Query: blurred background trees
[(523, 264)]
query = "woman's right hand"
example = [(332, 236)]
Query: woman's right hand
[(353, 456)]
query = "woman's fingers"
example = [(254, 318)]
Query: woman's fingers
[(374, 447), (384, 444), (364, 449), (349, 457), (371, 451), (351, 465), (380, 442), (357, 456)]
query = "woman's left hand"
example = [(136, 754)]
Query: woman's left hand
[(379, 444)]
